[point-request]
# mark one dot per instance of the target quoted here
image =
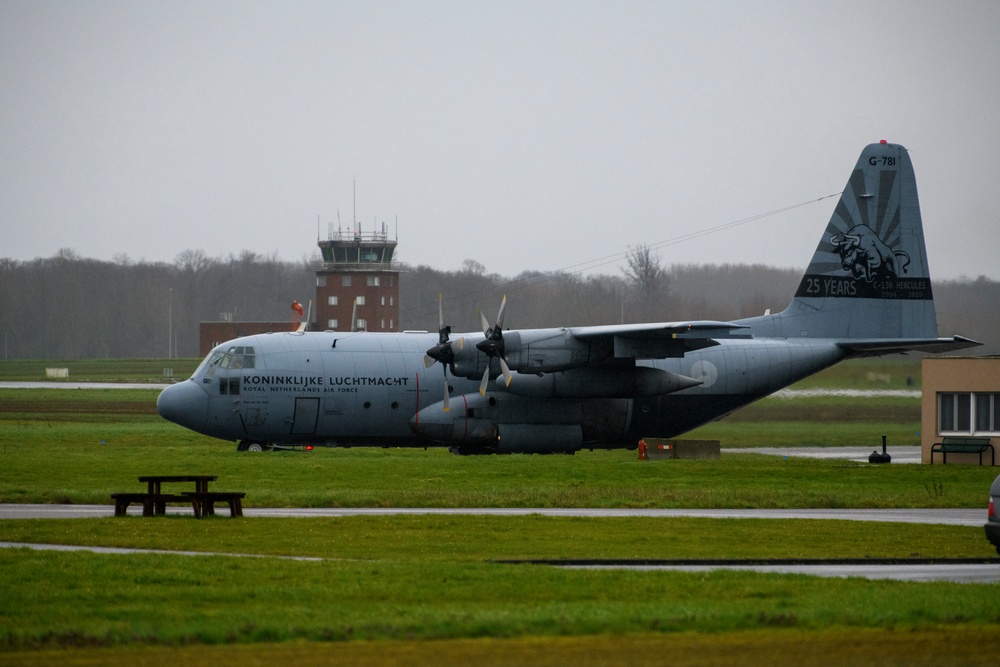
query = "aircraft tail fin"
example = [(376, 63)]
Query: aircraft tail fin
[(868, 278)]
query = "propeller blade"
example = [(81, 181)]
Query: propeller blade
[(507, 377), (503, 305), (486, 379), (443, 331), (444, 352), (447, 394), (493, 346)]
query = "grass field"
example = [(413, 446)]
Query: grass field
[(429, 589)]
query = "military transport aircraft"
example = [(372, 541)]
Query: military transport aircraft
[(866, 292)]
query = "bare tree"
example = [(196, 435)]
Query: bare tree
[(472, 267), (192, 260), (648, 277)]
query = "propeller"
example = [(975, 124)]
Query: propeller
[(444, 351), (492, 346)]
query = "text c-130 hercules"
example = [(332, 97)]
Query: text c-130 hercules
[(866, 292)]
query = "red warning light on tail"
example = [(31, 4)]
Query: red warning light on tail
[(883, 141)]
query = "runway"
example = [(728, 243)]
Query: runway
[(951, 517), (899, 454), (956, 572)]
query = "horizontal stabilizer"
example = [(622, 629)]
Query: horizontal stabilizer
[(868, 348)]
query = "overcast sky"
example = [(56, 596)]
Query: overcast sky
[(522, 135)]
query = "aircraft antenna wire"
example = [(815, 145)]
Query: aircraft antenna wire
[(470, 298)]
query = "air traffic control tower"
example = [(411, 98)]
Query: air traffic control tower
[(358, 287)]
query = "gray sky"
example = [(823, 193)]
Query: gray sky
[(523, 135)]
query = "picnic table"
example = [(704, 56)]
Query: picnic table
[(154, 500)]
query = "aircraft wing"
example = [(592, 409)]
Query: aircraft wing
[(877, 346), (659, 340)]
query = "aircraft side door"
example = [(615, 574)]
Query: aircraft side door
[(305, 416)]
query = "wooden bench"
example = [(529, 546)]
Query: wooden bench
[(962, 444), (153, 504), (203, 502)]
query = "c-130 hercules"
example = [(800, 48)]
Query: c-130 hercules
[(866, 292)]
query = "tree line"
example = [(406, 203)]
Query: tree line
[(70, 307)]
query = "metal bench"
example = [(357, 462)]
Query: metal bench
[(962, 444)]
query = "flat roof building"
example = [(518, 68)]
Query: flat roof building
[(358, 287), (960, 399)]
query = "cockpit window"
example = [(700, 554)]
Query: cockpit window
[(235, 357), (238, 357)]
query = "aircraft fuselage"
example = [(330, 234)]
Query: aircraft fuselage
[(356, 389)]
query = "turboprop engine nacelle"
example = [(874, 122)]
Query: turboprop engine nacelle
[(536, 351), (502, 423), (609, 382)]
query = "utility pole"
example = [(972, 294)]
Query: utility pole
[(170, 326)]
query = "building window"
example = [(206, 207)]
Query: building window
[(382, 325), (362, 324), (968, 413), (391, 299), (360, 301), (331, 324), (320, 281), (373, 281), (383, 300), (331, 300), (390, 325), (345, 281)]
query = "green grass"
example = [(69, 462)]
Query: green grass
[(456, 539), (834, 433), (60, 462), (79, 446), (426, 589), (429, 584), (894, 372), (97, 370), (148, 599)]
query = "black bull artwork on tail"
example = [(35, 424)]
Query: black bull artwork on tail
[(866, 256)]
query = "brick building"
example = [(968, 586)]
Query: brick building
[(356, 290), (358, 287)]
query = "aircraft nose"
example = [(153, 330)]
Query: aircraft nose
[(185, 403)]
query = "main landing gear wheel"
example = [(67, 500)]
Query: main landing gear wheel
[(250, 446)]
